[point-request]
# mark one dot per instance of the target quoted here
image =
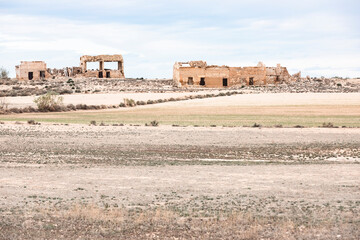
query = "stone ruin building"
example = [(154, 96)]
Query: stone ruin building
[(36, 70), (198, 73), (102, 72)]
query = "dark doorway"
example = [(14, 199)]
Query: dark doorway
[(30, 75), (225, 82), (101, 75), (42, 74), (251, 81), (190, 81), (107, 74), (202, 81)]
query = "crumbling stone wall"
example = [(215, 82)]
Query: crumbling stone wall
[(200, 74), (38, 69), (31, 70), (277, 74), (248, 76), (101, 72)]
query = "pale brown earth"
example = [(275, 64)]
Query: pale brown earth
[(126, 182), (263, 99), (105, 98)]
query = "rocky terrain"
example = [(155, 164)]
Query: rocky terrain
[(89, 85)]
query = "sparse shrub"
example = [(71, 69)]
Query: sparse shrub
[(298, 126), (328, 125), (339, 84), (256, 125), (129, 102), (15, 110), (154, 123), (28, 109), (102, 124), (140, 103), (65, 91), (103, 106), (81, 106), (150, 102), (33, 122), (160, 100), (93, 122), (172, 99), (278, 126), (4, 73), (49, 102), (122, 105), (3, 105), (212, 125), (93, 107), (71, 107), (222, 94)]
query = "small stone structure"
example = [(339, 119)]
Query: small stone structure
[(31, 70), (198, 73), (37, 70)]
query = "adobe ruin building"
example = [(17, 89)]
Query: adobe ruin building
[(36, 70), (198, 73)]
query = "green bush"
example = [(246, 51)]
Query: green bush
[(50, 102), (4, 73)]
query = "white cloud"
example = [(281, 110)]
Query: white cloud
[(309, 43)]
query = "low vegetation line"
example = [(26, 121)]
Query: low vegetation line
[(53, 102)]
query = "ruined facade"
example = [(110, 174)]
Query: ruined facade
[(37, 70), (102, 72), (31, 70), (198, 73)]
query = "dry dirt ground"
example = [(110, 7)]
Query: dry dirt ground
[(125, 182), (263, 99)]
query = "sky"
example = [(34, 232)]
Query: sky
[(317, 37)]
